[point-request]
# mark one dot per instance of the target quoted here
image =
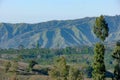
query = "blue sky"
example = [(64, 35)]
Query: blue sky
[(33, 11)]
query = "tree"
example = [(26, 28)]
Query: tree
[(101, 31), (75, 74), (7, 66), (61, 71), (101, 28), (98, 63), (116, 56), (32, 63)]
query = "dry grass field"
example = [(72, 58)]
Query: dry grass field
[(34, 76)]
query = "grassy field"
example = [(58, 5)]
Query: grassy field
[(23, 75)]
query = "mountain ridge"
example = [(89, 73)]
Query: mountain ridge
[(56, 33)]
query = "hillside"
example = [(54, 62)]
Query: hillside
[(55, 33)]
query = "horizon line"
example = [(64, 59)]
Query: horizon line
[(57, 20)]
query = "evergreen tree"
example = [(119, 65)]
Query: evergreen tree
[(98, 63), (75, 74), (72, 74), (101, 31), (101, 28), (116, 56), (61, 71)]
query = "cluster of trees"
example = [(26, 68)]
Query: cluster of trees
[(46, 56), (12, 70), (62, 71), (13, 66)]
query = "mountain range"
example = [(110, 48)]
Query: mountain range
[(56, 33)]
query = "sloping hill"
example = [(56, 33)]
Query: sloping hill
[(55, 33)]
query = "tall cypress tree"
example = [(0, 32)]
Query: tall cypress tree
[(116, 56), (101, 31), (101, 28)]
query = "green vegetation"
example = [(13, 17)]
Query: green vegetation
[(7, 66), (62, 71), (116, 56), (32, 63), (77, 59), (14, 66), (101, 31), (46, 56), (101, 28), (98, 64)]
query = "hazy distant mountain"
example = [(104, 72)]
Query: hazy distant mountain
[(55, 33)]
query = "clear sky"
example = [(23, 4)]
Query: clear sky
[(33, 11)]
